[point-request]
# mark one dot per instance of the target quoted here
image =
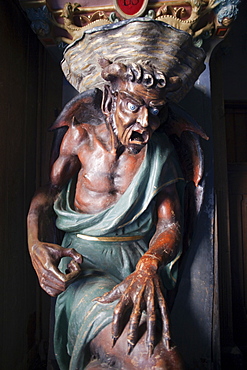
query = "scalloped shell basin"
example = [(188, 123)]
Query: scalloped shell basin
[(169, 49)]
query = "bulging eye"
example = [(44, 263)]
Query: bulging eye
[(132, 107), (154, 111)]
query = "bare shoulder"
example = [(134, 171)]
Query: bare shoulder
[(76, 135), (81, 115)]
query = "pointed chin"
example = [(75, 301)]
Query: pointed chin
[(134, 149)]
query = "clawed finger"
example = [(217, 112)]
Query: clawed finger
[(71, 252), (74, 266), (164, 315), (111, 296), (117, 319), (74, 270), (50, 276), (134, 321), (71, 277), (51, 289), (151, 318)]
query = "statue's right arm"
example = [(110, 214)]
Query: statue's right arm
[(46, 256)]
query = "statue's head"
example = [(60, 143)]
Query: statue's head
[(135, 100)]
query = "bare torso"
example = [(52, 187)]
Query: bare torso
[(103, 174)]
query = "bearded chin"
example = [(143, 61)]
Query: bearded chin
[(134, 149)]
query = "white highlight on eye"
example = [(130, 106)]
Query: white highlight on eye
[(132, 106)]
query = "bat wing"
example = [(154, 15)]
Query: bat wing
[(185, 134), (83, 108)]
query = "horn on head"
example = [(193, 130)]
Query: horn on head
[(112, 71)]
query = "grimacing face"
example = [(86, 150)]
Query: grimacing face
[(136, 114)]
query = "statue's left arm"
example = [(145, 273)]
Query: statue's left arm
[(143, 288)]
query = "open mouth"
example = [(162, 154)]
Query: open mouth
[(139, 137)]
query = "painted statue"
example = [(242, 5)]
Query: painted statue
[(117, 186)]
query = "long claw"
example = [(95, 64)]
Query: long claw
[(114, 340), (165, 331), (167, 344), (134, 321), (151, 320), (150, 350), (117, 320), (130, 347), (133, 331)]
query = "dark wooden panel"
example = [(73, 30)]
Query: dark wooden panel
[(237, 174), (30, 83), (236, 131)]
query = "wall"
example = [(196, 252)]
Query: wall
[(30, 96), (234, 56), (229, 80)]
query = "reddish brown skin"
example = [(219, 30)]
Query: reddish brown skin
[(106, 165)]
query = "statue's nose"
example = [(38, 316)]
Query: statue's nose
[(143, 116)]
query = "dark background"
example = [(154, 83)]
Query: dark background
[(31, 90)]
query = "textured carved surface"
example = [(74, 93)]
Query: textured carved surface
[(67, 21), (170, 50)]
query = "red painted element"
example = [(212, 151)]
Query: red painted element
[(130, 7), (221, 31)]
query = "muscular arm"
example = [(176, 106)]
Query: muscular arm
[(143, 288), (46, 256), (163, 245)]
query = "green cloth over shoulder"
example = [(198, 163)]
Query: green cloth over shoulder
[(105, 264)]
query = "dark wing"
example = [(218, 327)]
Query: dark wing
[(185, 134), (83, 108)]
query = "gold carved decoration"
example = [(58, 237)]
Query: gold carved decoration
[(188, 17), (75, 22), (196, 17)]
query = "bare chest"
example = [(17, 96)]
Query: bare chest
[(104, 176), (104, 171)]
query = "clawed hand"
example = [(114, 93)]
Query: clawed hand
[(45, 258), (140, 290)]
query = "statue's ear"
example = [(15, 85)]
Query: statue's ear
[(107, 100)]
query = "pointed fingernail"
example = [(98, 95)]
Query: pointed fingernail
[(130, 347), (167, 344), (114, 339), (150, 350), (97, 299)]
